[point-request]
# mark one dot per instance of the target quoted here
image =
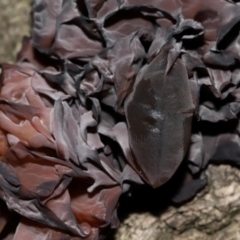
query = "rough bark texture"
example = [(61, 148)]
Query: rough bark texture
[(213, 214)]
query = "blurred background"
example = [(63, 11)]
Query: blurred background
[(15, 23)]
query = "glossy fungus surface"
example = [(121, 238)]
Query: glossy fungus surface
[(107, 95)]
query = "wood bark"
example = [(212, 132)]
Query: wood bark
[(213, 214)]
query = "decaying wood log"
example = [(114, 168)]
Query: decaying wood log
[(213, 214)]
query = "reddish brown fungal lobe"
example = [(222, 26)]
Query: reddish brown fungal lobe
[(103, 95)]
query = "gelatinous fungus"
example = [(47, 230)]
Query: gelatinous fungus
[(109, 93)]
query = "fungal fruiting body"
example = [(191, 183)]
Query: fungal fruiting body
[(103, 97), (159, 113)]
